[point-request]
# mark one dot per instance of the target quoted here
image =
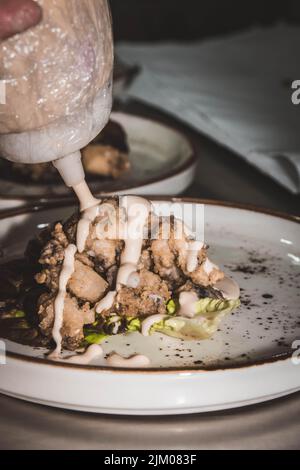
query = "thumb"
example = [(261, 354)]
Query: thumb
[(18, 15)]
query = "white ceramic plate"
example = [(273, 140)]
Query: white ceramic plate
[(162, 162), (249, 360)]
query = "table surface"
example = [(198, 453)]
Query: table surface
[(221, 175)]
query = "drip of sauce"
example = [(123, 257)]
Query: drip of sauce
[(115, 360), (93, 352), (229, 288), (107, 302), (133, 280), (89, 205), (65, 275), (192, 246), (192, 259), (86, 199), (149, 322), (208, 266), (137, 212), (90, 210), (187, 302), (83, 227), (124, 273)]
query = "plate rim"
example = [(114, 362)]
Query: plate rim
[(189, 163), (279, 358)]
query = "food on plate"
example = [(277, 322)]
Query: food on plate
[(106, 156), (116, 268)]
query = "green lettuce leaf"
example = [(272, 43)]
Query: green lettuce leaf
[(171, 307), (134, 324), (209, 306), (208, 316), (210, 313), (95, 338)]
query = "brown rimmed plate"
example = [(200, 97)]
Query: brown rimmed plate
[(254, 356)]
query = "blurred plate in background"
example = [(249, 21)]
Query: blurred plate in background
[(162, 162)]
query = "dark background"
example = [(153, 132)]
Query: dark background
[(188, 20), (154, 20)]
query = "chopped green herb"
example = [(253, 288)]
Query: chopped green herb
[(171, 307), (95, 338), (134, 325)]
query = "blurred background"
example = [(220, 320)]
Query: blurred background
[(156, 20), (244, 86), (221, 73)]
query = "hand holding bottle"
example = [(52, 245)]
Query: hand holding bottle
[(17, 16)]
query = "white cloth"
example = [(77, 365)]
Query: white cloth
[(236, 89)]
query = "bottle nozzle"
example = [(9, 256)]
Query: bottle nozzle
[(72, 172), (71, 169)]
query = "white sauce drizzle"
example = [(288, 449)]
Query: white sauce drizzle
[(192, 258), (93, 352), (124, 273), (66, 273), (192, 246), (134, 361), (149, 322), (187, 302), (133, 280), (83, 227), (86, 199), (107, 302), (89, 205), (137, 211), (208, 266)]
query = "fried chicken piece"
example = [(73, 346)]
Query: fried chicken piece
[(170, 254), (106, 249), (149, 298), (201, 291), (104, 254), (54, 251), (52, 257), (86, 284), (107, 252), (75, 317), (164, 257), (70, 227), (84, 259), (165, 262), (161, 271), (202, 277), (145, 261)]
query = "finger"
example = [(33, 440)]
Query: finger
[(17, 16)]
